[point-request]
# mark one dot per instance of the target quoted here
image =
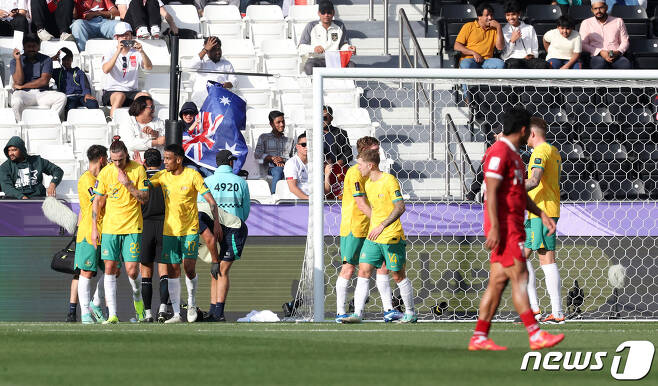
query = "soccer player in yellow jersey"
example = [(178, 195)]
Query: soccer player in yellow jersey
[(88, 256), (386, 241), (543, 187), (180, 240), (353, 231), (120, 189)]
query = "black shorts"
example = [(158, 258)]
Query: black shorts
[(130, 97), (230, 248), (205, 222), (151, 242)]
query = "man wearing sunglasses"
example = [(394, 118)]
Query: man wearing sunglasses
[(121, 68), (323, 35), (296, 170)]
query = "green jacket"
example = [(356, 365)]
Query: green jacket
[(25, 178)]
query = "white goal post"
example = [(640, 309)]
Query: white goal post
[(318, 276)]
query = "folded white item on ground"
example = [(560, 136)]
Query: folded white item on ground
[(260, 316)]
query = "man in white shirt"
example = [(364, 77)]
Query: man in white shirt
[(321, 36), (121, 68), (144, 14), (521, 45), (296, 171), (210, 59), (13, 17)]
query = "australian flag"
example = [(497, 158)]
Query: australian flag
[(218, 126)]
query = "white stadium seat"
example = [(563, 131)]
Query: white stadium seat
[(241, 54), (265, 22), (224, 21), (280, 57), (356, 121), (8, 122), (299, 17), (256, 91), (259, 190), (51, 47), (92, 58), (185, 16), (87, 127), (158, 52), (282, 191), (188, 49)]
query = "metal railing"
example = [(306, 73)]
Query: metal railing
[(404, 53), (371, 17), (464, 158)]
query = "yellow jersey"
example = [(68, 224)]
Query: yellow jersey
[(382, 194), (352, 219), (180, 194), (547, 194), (86, 196), (123, 213)]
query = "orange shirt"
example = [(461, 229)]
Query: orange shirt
[(477, 39)]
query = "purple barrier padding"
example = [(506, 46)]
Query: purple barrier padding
[(24, 218)]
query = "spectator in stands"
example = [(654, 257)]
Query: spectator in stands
[(52, 18), (73, 82), (144, 130), (477, 39), (144, 14), (521, 46), (187, 115), (563, 45), (296, 171), (13, 17), (334, 177), (31, 73), (274, 148), (605, 38), (210, 58), (21, 175), (323, 35), (340, 150), (121, 67), (94, 19)]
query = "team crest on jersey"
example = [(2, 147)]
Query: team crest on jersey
[(184, 188), (494, 163), (398, 194), (538, 161), (106, 252), (334, 36)]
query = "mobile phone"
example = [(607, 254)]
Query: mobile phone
[(128, 43)]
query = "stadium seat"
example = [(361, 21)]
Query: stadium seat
[(252, 166), (650, 185), (60, 155), (188, 49), (452, 18), (607, 151), (224, 21), (158, 52), (635, 18), (283, 193), (542, 17), (256, 91), (582, 190), (341, 93), (644, 53), (571, 152), (241, 54), (624, 189), (38, 138), (92, 58), (579, 13), (8, 123), (87, 127), (299, 17), (356, 121), (51, 47), (429, 188), (185, 16), (280, 57), (594, 123), (265, 22), (259, 191)]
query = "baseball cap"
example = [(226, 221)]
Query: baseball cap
[(121, 28), (326, 6), (224, 157)]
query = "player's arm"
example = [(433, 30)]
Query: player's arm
[(398, 210), (547, 221), (533, 181), (363, 206), (96, 207), (493, 237), (215, 215), (140, 195)]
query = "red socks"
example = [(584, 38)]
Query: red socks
[(529, 321), (482, 328)]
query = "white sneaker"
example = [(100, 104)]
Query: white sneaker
[(143, 33), (65, 36), (155, 32), (191, 314), (44, 35), (174, 319)]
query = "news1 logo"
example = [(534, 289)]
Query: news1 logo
[(638, 360)]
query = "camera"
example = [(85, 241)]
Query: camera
[(128, 43)]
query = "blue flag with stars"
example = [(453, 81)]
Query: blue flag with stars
[(217, 127)]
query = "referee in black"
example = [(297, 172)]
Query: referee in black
[(153, 213)]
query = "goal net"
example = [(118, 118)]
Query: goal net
[(434, 126)]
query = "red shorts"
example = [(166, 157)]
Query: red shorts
[(510, 248)]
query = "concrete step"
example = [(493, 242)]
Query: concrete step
[(420, 151), (375, 29)]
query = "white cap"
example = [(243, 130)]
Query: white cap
[(121, 28)]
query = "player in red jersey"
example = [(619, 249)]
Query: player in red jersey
[(504, 206)]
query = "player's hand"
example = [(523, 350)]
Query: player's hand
[(516, 35), (214, 270), (94, 237), (375, 232), (493, 238), (3, 13), (138, 47), (210, 44), (477, 57), (123, 178), (548, 223)]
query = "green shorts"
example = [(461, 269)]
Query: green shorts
[(350, 248), (375, 254), (121, 247), (177, 248), (87, 257), (535, 235)]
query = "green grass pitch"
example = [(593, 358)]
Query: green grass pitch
[(294, 354)]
